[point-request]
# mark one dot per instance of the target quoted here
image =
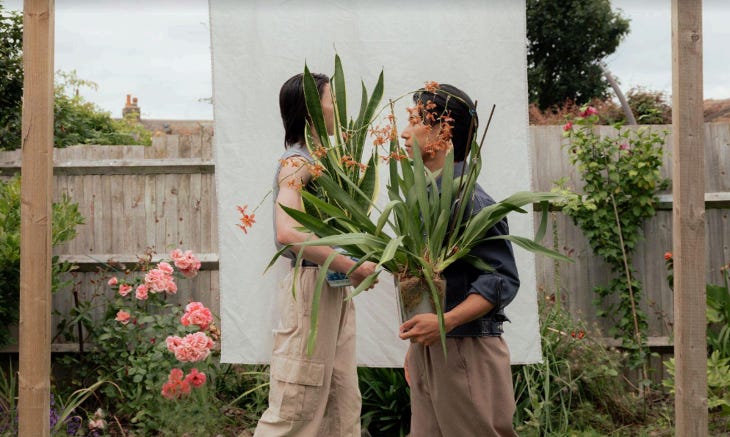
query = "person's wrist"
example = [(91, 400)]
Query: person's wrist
[(449, 322)]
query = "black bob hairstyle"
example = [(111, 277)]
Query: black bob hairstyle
[(293, 107), (458, 105)]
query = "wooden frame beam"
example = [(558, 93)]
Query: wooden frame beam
[(35, 219), (688, 220)]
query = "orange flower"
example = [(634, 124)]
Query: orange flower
[(316, 170), (667, 256), (414, 114), (393, 155), (383, 135), (431, 86), (320, 151), (348, 161), (293, 183), (247, 220)]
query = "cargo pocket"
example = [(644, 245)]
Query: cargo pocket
[(296, 387)]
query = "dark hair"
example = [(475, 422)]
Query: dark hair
[(294, 108), (454, 102)]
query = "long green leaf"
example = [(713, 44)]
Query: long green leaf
[(384, 215), (313, 224), (318, 285), (369, 184), (346, 202), (314, 106), (389, 251), (365, 284), (419, 185), (372, 105), (340, 92), (532, 246)]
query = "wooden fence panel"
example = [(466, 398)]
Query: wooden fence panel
[(163, 196), (576, 281)]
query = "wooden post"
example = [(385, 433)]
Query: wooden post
[(35, 219), (688, 222)]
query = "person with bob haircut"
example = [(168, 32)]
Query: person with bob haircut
[(310, 395), (469, 392)]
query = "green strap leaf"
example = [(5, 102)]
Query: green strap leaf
[(340, 92), (314, 106), (532, 246), (318, 285)]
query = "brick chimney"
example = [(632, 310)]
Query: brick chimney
[(131, 109)]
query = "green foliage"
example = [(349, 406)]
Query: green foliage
[(718, 316), (339, 157), (76, 120), (8, 400), (66, 217), (386, 403), (11, 76), (248, 387), (718, 309), (577, 386), (649, 107), (621, 177), (718, 382), (566, 42)]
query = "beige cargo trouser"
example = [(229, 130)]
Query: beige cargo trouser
[(317, 395), (467, 394)]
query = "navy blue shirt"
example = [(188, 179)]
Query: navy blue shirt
[(498, 287)]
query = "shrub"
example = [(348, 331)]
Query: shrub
[(157, 353), (386, 402), (578, 385), (66, 217)]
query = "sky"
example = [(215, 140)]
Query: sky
[(159, 51)]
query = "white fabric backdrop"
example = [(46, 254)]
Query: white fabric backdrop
[(479, 46)]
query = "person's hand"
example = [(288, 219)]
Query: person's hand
[(422, 328), (366, 269)]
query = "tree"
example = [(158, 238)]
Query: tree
[(11, 76), (567, 39), (76, 121)]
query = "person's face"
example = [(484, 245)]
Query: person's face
[(328, 110), (417, 132)]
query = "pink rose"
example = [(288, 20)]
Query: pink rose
[(568, 126), (197, 314), (165, 267), (186, 262), (176, 386), (172, 342), (193, 347), (141, 292), (175, 375), (113, 281), (590, 110), (122, 317), (195, 378), (159, 280), (124, 289)]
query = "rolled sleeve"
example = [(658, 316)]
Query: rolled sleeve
[(499, 286)]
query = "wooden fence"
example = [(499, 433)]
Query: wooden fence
[(574, 283), (135, 199), (163, 197)]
